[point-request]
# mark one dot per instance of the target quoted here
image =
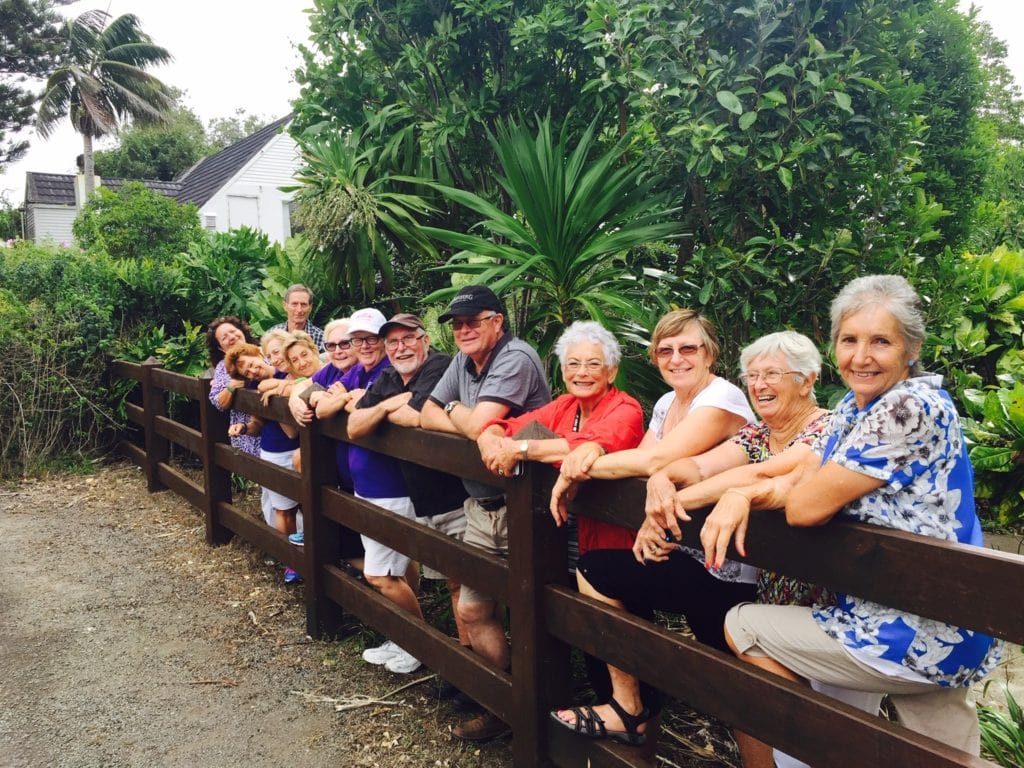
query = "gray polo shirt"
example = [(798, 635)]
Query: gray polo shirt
[(513, 376)]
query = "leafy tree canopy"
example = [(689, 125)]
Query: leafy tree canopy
[(30, 47), (155, 151), (136, 223)]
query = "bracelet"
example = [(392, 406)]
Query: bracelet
[(737, 490)]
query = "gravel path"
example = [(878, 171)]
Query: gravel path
[(126, 641)]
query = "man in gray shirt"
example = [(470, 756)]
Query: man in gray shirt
[(494, 375)]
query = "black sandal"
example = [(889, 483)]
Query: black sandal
[(589, 723)]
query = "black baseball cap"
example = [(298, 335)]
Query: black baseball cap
[(471, 300)]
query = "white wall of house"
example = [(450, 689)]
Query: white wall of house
[(252, 198), (51, 223)]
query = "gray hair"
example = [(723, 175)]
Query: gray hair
[(589, 332), (800, 352), (892, 292), (341, 322), (297, 288)]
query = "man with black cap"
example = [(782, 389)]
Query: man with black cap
[(397, 397), (494, 376)]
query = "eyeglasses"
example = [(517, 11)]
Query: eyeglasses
[(685, 350), (473, 323), (330, 346), (370, 341), (407, 341), (590, 366), (771, 376)]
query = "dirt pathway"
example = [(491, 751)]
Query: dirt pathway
[(126, 641)]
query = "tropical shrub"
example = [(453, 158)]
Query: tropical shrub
[(135, 223), (994, 429), (580, 211), (1002, 733)]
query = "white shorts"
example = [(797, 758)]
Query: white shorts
[(450, 524), (385, 561), (275, 499)]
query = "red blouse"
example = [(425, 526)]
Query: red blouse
[(616, 423)]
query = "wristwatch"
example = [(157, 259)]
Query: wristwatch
[(524, 447), (450, 407)]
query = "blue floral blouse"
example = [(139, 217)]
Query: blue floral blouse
[(910, 438)]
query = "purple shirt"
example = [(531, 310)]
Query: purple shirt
[(375, 475)]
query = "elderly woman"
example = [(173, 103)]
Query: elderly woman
[(593, 416), (700, 412), (894, 457), (222, 334)]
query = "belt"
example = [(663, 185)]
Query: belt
[(491, 503)]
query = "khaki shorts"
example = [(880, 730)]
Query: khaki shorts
[(790, 635), (489, 532), (450, 524)]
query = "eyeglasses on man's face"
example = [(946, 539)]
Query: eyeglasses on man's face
[(406, 341), (770, 376), (330, 346), (590, 366), (684, 350), (472, 323), (369, 341)]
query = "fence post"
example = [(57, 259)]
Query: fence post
[(322, 537), (216, 480), (540, 663), (154, 403)]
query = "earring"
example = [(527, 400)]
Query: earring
[(911, 363)]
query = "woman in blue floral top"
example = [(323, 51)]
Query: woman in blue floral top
[(894, 457)]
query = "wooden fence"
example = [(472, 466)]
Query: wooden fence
[(978, 589)]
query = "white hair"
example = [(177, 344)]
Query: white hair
[(589, 332)]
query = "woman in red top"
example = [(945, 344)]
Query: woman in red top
[(592, 418)]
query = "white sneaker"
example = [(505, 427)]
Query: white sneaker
[(402, 663), (382, 653)]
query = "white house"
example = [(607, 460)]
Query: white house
[(238, 186)]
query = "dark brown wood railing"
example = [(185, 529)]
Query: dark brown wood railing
[(978, 589)]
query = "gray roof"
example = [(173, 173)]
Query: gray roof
[(201, 182), (197, 185), (59, 188)]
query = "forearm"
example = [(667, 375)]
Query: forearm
[(635, 462), (547, 451), (363, 421), (709, 491), (434, 418), (406, 416), (683, 472)]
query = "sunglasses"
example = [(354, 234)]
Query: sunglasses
[(330, 346), (473, 323)]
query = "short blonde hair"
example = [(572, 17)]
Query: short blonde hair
[(273, 333), (675, 322), (299, 338)]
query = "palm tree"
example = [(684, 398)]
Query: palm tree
[(104, 81)]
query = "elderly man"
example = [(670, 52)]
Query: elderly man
[(494, 376), (398, 397), (298, 303)]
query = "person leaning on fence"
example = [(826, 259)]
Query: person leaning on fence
[(699, 412), (895, 457), (277, 441), (221, 334), (494, 375), (593, 418), (322, 396), (298, 303), (397, 397)]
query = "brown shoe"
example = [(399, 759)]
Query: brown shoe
[(481, 728)]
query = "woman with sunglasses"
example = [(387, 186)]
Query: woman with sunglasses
[(701, 411)]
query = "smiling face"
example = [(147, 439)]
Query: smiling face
[(407, 358), (227, 335), (477, 343), (369, 348), (254, 368), (585, 372), (871, 353), (302, 360), (275, 353), (343, 356), (777, 403), (684, 370)]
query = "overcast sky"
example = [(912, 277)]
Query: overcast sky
[(239, 54)]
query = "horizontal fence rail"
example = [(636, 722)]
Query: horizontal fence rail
[(966, 586)]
